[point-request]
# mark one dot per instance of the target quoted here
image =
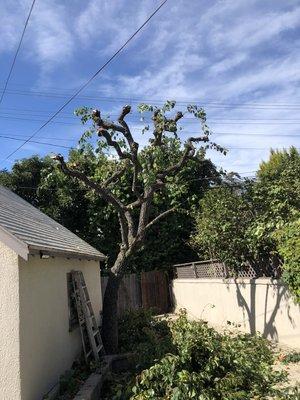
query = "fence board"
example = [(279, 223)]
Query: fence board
[(148, 290), (155, 291)]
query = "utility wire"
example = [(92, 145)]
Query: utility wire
[(70, 147), (38, 142), (95, 96), (89, 80), (40, 113), (17, 52), (212, 122)]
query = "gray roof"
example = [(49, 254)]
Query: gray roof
[(29, 227)]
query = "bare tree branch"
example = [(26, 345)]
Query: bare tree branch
[(159, 217), (163, 124), (124, 231), (188, 153), (104, 126), (134, 146), (125, 218), (113, 143), (115, 176), (105, 193)]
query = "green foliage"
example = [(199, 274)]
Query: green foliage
[(41, 183), (221, 227), (148, 337), (201, 364), (256, 221), (71, 381), (288, 239), (293, 357)]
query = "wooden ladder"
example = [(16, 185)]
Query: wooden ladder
[(90, 335)]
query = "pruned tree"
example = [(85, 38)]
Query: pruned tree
[(152, 168)]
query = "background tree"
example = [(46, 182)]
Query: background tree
[(73, 205), (152, 171), (257, 221), (222, 221)]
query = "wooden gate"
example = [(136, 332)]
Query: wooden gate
[(147, 290), (155, 291)]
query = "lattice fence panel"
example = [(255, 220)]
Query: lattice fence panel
[(217, 269)]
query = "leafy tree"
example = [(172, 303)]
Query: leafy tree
[(25, 177), (288, 239), (276, 201), (88, 215), (221, 227), (153, 173), (255, 222)]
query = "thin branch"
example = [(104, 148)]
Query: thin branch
[(115, 176), (124, 231), (105, 193), (134, 146), (163, 124), (125, 218), (113, 143), (159, 217), (127, 133), (104, 126), (188, 153)]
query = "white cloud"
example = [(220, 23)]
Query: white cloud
[(222, 51), (50, 35)]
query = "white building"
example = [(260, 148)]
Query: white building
[(39, 337)]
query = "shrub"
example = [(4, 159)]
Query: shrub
[(197, 362), (209, 365), (289, 248), (148, 337)]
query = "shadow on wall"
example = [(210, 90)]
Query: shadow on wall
[(273, 291)]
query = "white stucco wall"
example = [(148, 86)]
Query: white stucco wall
[(9, 325), (47, 348), (258, 305)]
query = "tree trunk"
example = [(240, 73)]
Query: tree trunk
[(110, 301), (110, 315)]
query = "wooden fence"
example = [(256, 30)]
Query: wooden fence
[(148, 290)]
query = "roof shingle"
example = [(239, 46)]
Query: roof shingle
[(38, 231)]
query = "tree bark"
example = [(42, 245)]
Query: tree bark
[(110, 314)]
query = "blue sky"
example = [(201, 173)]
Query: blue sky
[(239, 59)]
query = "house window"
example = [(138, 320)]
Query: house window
[(73, 316)]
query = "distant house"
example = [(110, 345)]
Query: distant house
[(39, 337)]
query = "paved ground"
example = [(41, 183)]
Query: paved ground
[(293, 369)]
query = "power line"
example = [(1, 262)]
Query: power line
[(37, 113), (209, 121), (36, 141), (23, 137), (70, 147), (90, 79), (213, 104), (17, 52)]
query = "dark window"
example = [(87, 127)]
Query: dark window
[(73, 316)]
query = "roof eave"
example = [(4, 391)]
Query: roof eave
[(15, 244), (35, 249)]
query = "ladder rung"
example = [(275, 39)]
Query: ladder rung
[(100, 347), (95, 333)]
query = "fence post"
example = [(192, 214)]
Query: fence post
[(195, 270)]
